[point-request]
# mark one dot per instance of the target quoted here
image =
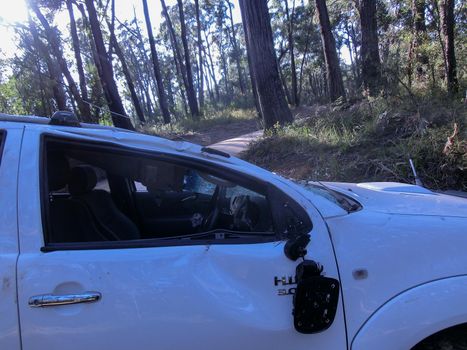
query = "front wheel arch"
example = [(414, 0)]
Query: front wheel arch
[(415, 314), (454, 338)]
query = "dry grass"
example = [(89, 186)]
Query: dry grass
[(214, 126), (371, 141)]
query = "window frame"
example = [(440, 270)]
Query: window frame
[(3, 134), (252, 183)]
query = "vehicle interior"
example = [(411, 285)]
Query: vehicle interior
[(98, 194)]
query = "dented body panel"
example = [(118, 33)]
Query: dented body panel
[(201, 296)]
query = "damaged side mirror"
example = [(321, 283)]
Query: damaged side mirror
[(315, 299)]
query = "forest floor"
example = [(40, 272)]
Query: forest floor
[(222, 132), (216, 126), (366, 140), (371, 140)]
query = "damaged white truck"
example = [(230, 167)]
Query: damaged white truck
[(111, 239)]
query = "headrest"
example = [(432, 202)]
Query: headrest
[(58, 171), (83, 179), (163, 177)]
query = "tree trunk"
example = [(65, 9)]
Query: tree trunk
[(225, 73), (333, 70), (148, 78), (157, 72), (96, 89), (371, 64), (419, 34), (302, 65), (357, 58), (128, 78), (290, 20), (352, 54), (446, 8), (211, 67), (271, 98), (236, 51), (190, 91), (200, 57), (112, 96), (178, 59), (54, 73), (57, 52), (250, 70), (79, 61)]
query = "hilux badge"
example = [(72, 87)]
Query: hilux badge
[(285, 281)]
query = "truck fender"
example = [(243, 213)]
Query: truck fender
[(415, 314)]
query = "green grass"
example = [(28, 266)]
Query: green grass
[(371, 140), (211, 118)]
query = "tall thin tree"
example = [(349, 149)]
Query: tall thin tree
[(370, 60), (112, 96), (79, 61), (192, 102), (157, 71), (333, 70), (54, 72), (200, 56), (54, 42), (290, 16), (446, 8), (236, 49), (128, 77), (272, 105)]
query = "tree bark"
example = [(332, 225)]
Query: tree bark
[(419, 34), (271, 98), (290, 20), (112, 96), (54, 42), (370, 61), (236, 51), (178, 59), (250, 70), (200, 57), (446, 8), (157, 72), (210, 66), (128, 78), (333, 70), (79, 61), (54, 73), (190, 91)]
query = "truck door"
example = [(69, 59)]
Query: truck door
[(10, 145), (222, 289)]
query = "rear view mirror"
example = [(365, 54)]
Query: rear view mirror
[(315, 300)]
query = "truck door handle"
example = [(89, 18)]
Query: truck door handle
[(66, 299)]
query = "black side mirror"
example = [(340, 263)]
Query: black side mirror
[(315, 300)]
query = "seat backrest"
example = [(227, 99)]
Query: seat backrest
[(70, 220), (111, 222)]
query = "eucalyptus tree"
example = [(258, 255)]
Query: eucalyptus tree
[(270, 96), (371, 64), (157, 72), (334, 75)]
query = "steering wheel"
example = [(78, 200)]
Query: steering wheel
[(214, 210)]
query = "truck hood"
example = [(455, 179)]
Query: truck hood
[(403, 199)]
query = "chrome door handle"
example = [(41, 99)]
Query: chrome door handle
[(57, 300)]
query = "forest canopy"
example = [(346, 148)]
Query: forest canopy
[(195, 56)]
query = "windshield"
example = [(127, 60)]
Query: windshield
[(345, 202)]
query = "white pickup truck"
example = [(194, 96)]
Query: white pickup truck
[(111, 239)]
